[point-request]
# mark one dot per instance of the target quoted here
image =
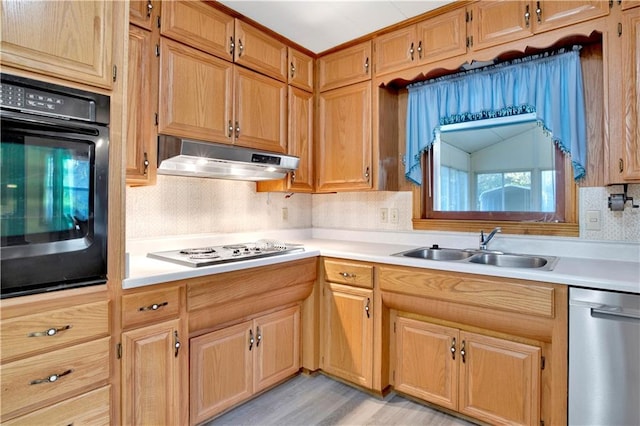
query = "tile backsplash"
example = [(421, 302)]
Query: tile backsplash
[(182, 205)]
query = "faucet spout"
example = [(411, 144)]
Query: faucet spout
[(485, 241)]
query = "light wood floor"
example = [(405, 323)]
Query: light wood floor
[(319, 400)]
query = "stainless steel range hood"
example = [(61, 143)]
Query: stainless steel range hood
[(184, 157)]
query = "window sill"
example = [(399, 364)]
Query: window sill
[(519, 228)]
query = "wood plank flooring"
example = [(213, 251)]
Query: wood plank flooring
[(319, 400)]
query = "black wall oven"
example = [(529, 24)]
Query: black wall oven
[(54, 163)]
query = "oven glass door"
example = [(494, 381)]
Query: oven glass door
[(45, 191), (53, 204)]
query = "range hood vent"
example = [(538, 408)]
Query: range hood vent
[(184, 157)]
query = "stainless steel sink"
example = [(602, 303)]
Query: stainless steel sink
[(481, 257), (438, 254), (509, 260)]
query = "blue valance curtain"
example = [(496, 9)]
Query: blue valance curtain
[(549, 85)]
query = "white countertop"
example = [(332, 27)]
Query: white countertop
[(599, 271)]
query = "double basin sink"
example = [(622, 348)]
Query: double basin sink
[(482, 257)]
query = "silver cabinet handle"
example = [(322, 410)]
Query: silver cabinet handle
[(258, 336), (539, 12), (230, 129), (50, 332), (153, 307), (527, 16), (347, 275), (293, 70), (366, 174), (51, 379), (420, 49), (145, 163), (366, 308), (176, 344), (453, 348), (463, 352), (232, 46), (240, 47), (237, 129), (149, 8), (411, 50), (613, 312), (251, 339), (366, 66)]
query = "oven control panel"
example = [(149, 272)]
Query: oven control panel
[(41, 102)]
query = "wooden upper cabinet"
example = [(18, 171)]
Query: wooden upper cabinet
[(196, 92), (631, 94), (260, 52), (72, 40), (260, 111), (347, 66), (496, 22), (142, 106), (432, 40), (198, 25), (552, 14), (344, 154), (300, 70), (144, 13)]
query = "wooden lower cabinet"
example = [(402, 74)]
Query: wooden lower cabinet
[(152, 370), (487, 378), (230, 365), (347, 333)]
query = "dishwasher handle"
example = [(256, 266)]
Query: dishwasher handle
[(613, 312)]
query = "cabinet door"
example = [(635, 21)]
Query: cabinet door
[(151, 391), (552, 14), (71, 40), (144, 13), (631, 91), (277, 350), (495, 22), (344, 152), (628, 4), (142, 106), (442, 37), (300, 70), (220, 370), (196, 93), (260, 52), (348, 333), (426, 365), (499, 380), (199, 25), (260, 111), (396, 50), (348, 66), (301, 138)]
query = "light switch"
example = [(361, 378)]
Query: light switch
[(593, 220)]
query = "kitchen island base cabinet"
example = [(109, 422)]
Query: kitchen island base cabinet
[(151, 374), (487, 378), (231, 365)]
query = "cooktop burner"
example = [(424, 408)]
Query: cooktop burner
[(213, 255)]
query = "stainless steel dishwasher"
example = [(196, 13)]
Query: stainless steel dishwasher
[(604, 358)]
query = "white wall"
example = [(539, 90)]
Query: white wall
[(179, 205)]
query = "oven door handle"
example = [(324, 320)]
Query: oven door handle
[(29, 121)]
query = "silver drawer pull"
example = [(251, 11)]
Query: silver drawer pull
[(347, 275), (50, 332), (51, 379), (153, 307)]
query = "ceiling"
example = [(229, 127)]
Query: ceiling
[(321, 25)]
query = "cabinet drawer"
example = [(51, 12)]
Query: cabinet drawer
[(50, 330), (44, 379), (348, 273), (150, 306), (91, 408)]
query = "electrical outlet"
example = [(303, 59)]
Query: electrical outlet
[(285, 214), (384, 215), (393, 215)]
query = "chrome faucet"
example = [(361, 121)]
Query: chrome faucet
[(485, 241)]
